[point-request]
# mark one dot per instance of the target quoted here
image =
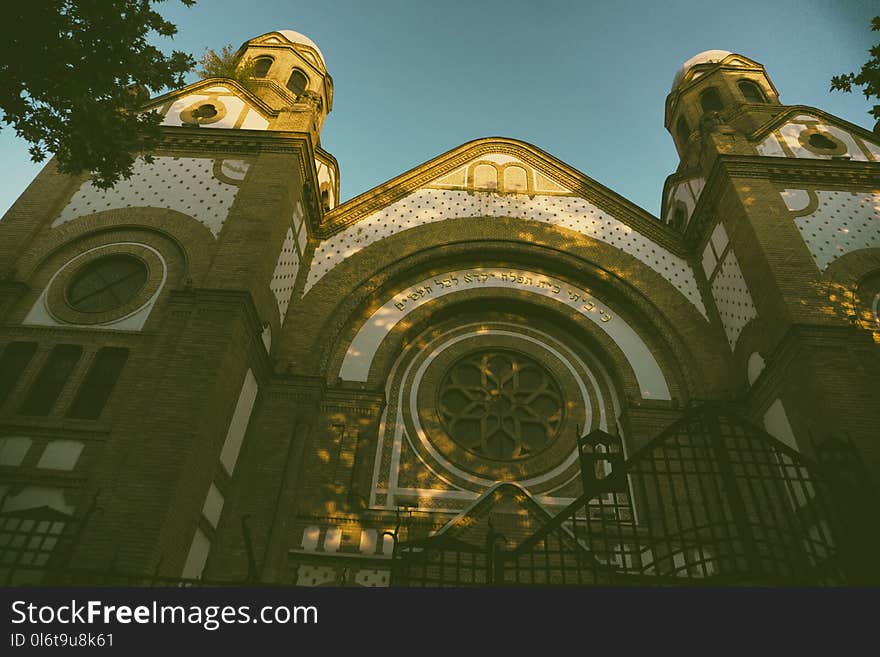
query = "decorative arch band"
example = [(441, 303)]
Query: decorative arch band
[(359, 356)]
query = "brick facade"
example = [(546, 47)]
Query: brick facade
[(234, 419)]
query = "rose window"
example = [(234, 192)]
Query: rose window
[(500, 405)]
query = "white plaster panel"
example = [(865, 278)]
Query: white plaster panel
[(755, 367), (719, 238), (302, 237), (13, 449), (238, 425), (843, 222), (34, 497), (310, 538), (873, 149), (697, 185), (791, 133), (325, 181), (284, 275), (770, 147), (41, 315), (545, 184), (368, 541), (709, 260), (213, 505), (237, 110), (777, 425), (732, 298), (308, 575), (61, 455), (184, 184), (253, 120), (457, 178), (500, 158), (684, 195), (852, 148), (332, 539), (431, 205), (360, 353), (795, 199), (172, 116), (235, 169), (373, 577), (299, 227), (197, 556)]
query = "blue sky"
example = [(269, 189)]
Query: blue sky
[(585, 81)]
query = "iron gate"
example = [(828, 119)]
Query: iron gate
[(713, 500)]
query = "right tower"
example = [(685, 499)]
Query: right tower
[(781, 206)]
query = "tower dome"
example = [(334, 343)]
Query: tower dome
[(705, 57), (296, 37)]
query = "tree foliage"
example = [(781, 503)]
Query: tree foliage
[(224, 64), (74, 74), (868, 76)]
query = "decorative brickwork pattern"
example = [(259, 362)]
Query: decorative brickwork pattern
[(430, 205), (184, 184), (284, 276), (843, 222), (732, 298)]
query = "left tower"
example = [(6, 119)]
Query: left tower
[(136, 323)]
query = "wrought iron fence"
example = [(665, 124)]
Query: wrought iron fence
[(713, 500)]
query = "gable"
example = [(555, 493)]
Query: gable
[(194, 105), (807, 133), (498, 178)]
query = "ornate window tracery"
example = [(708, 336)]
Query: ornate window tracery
[(500, 405)]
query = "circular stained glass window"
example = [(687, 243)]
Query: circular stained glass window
[(500, 405), (107, 283)]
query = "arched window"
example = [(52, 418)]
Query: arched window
[(751, 92), (51, 380), (13, 362), (710, 100), (682, 131), (262, 66), (515, 180), (298, 82), (99, 383)]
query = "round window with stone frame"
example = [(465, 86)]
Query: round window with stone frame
[(821, 142), (204, 112), (500, 405), (105, 284)]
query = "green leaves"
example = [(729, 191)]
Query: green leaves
[(868, 77), (74, 75), (225, 64)]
